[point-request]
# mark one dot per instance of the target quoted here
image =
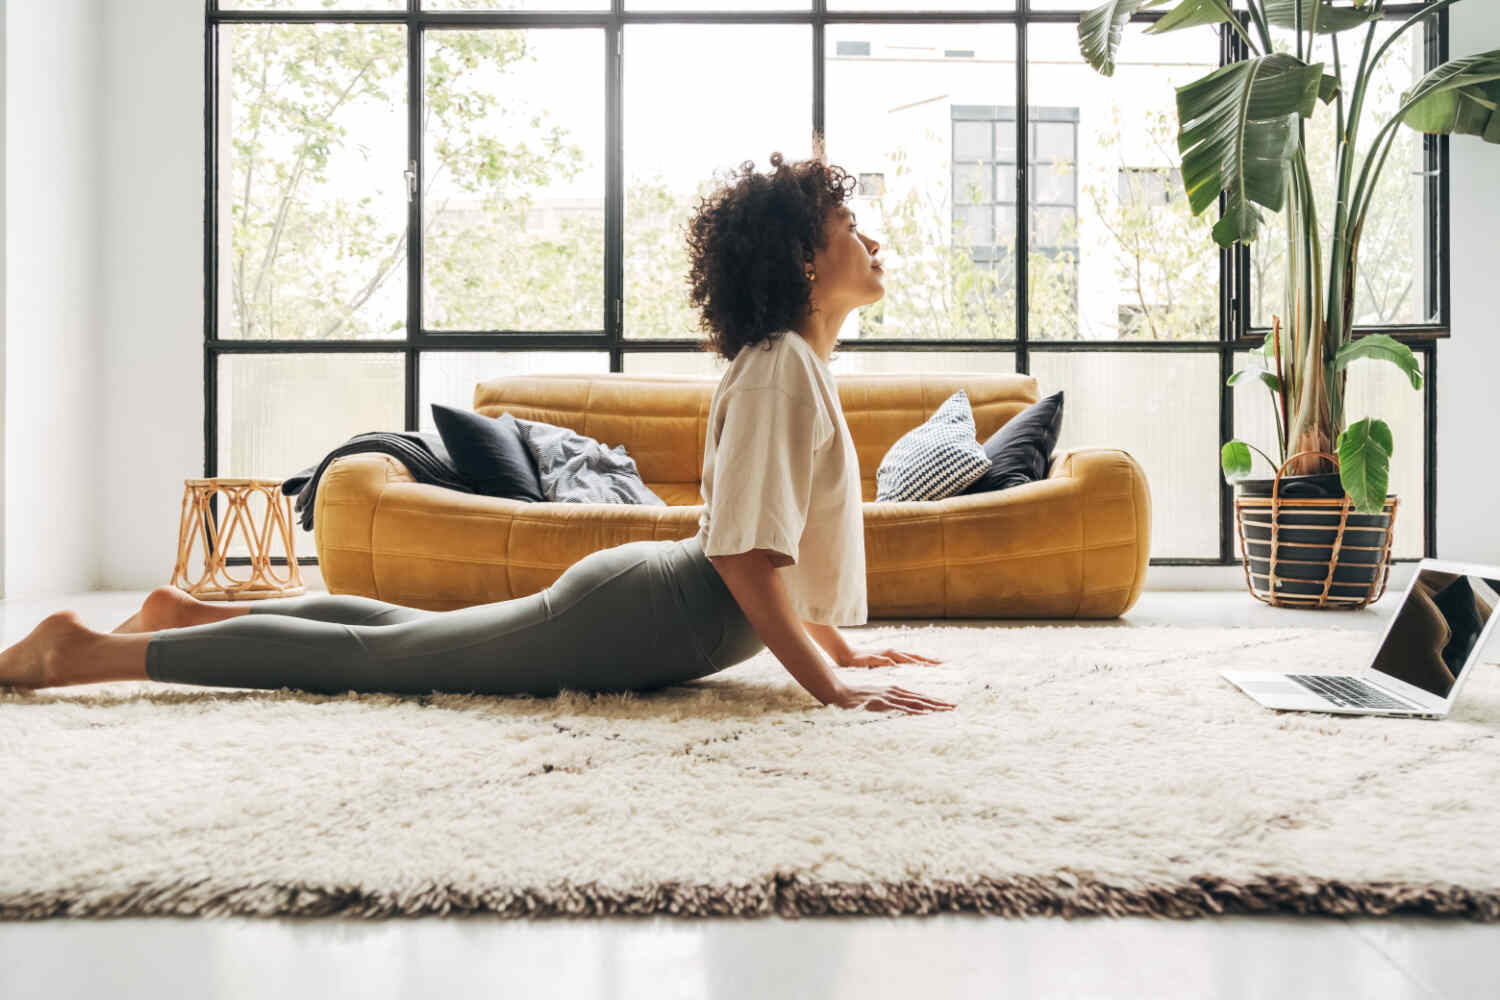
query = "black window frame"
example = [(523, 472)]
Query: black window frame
[(1235, 333)]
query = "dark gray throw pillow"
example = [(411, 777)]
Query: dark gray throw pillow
[(489, 454), (1020, 451)]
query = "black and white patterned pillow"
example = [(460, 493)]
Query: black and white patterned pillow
[(935, 460)]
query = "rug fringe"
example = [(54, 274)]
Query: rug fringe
[(790, 896)]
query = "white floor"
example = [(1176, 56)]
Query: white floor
[(661, 957)]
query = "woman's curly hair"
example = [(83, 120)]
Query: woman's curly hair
[(750, 243)]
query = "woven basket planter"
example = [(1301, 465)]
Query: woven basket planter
[(1314, 552)]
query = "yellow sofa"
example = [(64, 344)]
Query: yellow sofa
[(1074, 545)]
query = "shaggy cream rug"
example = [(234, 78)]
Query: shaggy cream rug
[(1085, 770)]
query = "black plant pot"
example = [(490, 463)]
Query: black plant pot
[(1326, 485), (1307, 514)]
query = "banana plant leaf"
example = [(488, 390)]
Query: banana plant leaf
[(1238, 131), (1101, 29), (1380, 347), (1192, 14), (1459, 96), (1365, 463), (1331, 17)]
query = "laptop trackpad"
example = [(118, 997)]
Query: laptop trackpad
[(1274, 687)]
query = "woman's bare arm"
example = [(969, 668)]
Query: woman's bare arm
[(761, 594), (831, 639)]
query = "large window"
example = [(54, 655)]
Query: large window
[(408, 197)]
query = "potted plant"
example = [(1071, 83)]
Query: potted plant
[(1321, 537)]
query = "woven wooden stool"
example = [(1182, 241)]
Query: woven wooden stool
[(216, 584)]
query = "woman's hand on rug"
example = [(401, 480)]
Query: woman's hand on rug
[(883, 658), (884, 699)]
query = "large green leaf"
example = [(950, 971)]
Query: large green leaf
[(1365, 463), (1332, 17), (1191, 14), (1380, 347), (1460, 97), (1269, 378), (1100, 31), (1237, 133), (1235, 458)]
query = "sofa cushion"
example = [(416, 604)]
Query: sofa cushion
[(936, 459), (574, 468), (488, 453), (1021, 449)]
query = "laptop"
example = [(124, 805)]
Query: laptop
[(1430, 646)]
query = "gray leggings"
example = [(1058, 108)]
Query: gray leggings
[(638, 616)]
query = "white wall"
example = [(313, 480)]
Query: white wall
[(149, 409), (151, 418), (53, 193), (1468, 459)]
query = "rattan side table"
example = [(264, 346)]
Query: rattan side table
[(216, 584)]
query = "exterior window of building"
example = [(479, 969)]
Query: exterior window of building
[(984, 200)]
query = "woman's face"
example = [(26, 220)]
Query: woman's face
[(847, 271)]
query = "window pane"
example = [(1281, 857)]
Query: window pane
[(279, 414), (517, 5), (843, 363), (932, 123), (1054, 142), (681, 141), (514, 193), (716, 5), (1375, 389), (674, 363), (973, 224), (312, 4), (1121, 264), (449, 377), (1054, 185), (958, 43), (1164, 410), (312, 201), (980, 176), (1054, 228), (1393, 278), (973, 141)]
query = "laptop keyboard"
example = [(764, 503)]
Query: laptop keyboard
[(1348, 691)]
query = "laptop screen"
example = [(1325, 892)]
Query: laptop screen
[(1437, 628)]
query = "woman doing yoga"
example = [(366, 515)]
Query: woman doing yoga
[(777, 265)]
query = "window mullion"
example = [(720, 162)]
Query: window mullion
[(1023, 199), (413, 210)]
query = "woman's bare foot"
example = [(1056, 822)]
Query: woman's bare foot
[(38, 660), (164, 607)]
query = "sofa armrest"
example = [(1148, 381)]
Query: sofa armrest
[(348, 495), (1116, 507)]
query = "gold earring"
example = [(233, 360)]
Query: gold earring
[(811, 276)]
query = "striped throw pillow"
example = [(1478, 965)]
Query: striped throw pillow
[(935, 460)]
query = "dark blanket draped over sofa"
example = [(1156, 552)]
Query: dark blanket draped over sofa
[(421, 451)]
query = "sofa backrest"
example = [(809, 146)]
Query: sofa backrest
[(662, 420)]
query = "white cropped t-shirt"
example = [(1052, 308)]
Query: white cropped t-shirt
[(780, 472)]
